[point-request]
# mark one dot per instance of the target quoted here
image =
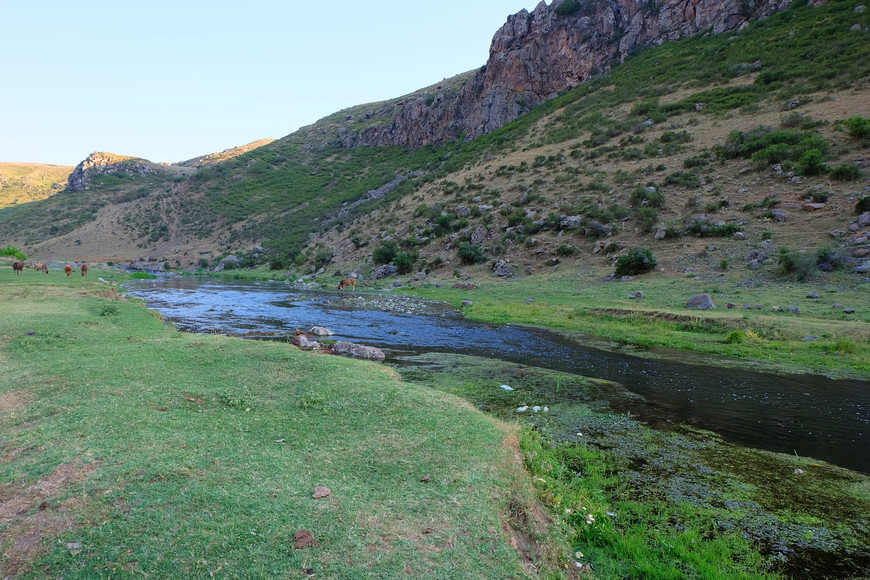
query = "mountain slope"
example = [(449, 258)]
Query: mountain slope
[(26, 182), (664, 115)]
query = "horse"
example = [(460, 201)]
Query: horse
[(17, 267), (67, 269), (84, 269), (41, 266), (347, 282)]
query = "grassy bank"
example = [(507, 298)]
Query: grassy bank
[(675, 503), (131, 449), (839, 343)]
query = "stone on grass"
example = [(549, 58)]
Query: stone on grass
[(701, 302)]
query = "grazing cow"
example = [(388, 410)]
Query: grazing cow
[(347, 282), (84, 269), (67, 269), (41, 266), (17, 267)]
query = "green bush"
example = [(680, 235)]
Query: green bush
[(385, 253), (812, 162), (471, 253), (734, 337), (567, 250), (12, 252), (649, 196), (404, 262), (683, 178), (637, 261), (797, 265), (858, 127), (648, 217), (846, 172)]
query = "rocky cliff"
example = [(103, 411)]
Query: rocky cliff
[(552, 49), (100, 162)]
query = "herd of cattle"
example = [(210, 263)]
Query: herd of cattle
[(18, 267)]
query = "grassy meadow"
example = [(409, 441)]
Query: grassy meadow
[(130, 449), (660, 324)]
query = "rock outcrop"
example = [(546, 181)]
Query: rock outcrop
[(536, 55), (100, 163)]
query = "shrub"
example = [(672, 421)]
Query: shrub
[(567, 250), (812, 162), (385, 253), (863, 204), (568, 7), (648, 217), (734, 337), (471, 253), (12, 252), (637, 261), (797, 265), (649, 196), (846, 172), (277, 263), (683, 178), (404, 262), (858, 127)]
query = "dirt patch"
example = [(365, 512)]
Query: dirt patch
[(15, 400), (29, 516)]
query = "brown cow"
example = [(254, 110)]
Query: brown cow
[(347, 282), (84, 269), (17, 267), (67, 269), (41, 266)]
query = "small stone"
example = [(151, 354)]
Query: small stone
[(813, 295), (426, 478), (321, 491)]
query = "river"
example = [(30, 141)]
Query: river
[(807, 415)]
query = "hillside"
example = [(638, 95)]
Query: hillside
[(26, 182), (640, 155)]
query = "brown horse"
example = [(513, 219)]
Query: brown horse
[(67, 269), (41, 266), (17, 267), (84, 269), (347, 282)]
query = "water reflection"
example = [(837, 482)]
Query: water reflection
[(807, 415)]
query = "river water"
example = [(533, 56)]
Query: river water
[(811, 416)]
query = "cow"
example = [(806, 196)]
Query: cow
[(84, 269), (67, 269), (347, 282), (17, 267), (41, 266)]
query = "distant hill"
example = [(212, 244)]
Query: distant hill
[(676, 147), (213, 158), (25, 182)]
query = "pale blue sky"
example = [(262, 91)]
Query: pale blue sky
[(169, 81)]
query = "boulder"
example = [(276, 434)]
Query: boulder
[(320, 331), (360, 351), (701, 302), (384, 271), (229, 263), (306, 343), (502, 269)]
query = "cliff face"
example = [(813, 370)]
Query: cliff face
[(98, 163), (552, 49)]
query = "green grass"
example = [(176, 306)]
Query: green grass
[(665, 503), (601, 309), (130, 448)]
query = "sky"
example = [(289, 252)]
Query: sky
[(169, 81)]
